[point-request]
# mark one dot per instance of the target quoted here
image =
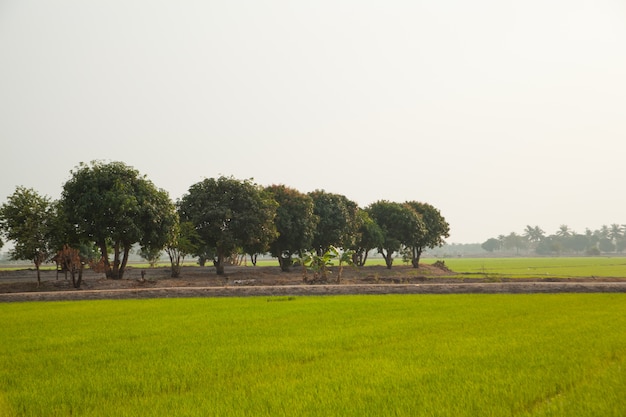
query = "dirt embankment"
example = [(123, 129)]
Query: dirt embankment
[(270, 281)]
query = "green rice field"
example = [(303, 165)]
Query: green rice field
[(400, 355), (541, 267)]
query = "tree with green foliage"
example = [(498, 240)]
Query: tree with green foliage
[(184, 240), (491, 244), (229, 214), (337, 221), (25, 220), (115, 207), (398, 223), (369, 236), (430, 234), (151, 255), (515, 241), (295, 223)]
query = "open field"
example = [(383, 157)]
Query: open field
[(540, 267), (416, 355)]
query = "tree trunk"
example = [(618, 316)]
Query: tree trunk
[(388, 258), (175, 259), (76, 282), (285, 263), (219, 263), (105, 259), (415, 259), (124, 261)]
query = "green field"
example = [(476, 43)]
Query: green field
[(530, 267), (417, 355), (540, 267)]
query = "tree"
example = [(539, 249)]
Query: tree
[(337, 220), (25, 220), (71, 261), (229, 214), (564, 231), (152, 255), (514, 241), (295, 223), (183, 240), (606, 245), (369, 236), (616, 233), (398, 224), (577, 243), (491, 244), (430, 234), (115, 207), (533, 235)]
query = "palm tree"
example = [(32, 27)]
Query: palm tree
[(564, 231), (616, 233), (604, 232), (534, 235)]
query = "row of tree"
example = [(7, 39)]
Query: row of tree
[(106, 208), (607, 239)]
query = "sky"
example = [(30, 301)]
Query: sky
[(499, 113)]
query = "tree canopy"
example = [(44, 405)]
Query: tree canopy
[(337, 220), (106, 209), (399, 225), (229, 215), (25, 219), (115, 207), (295, 223), (430, 233)]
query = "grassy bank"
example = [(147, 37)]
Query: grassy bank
[(460, 355)]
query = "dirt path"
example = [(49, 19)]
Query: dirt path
[(270, 281), (303, 290)]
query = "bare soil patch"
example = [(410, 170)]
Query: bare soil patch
[(21, 285)]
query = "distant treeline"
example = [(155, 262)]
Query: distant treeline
[(534, 240)]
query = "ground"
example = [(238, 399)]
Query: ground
[(21, 285)]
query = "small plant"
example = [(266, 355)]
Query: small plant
[(320, 264)]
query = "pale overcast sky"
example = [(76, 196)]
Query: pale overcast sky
[(499, 113)]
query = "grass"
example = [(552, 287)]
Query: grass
[(453, 355), (541, 267)]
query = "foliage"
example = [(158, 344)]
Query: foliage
[(229, 214), (71, 261), (151, 255), (320, 264), (606, 239), (368, 236), (114, 207), (25, 220), (184, 240), (450, 355), (399, 225), (491, 244), (295, 224), (429, 233), (337, 221)]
